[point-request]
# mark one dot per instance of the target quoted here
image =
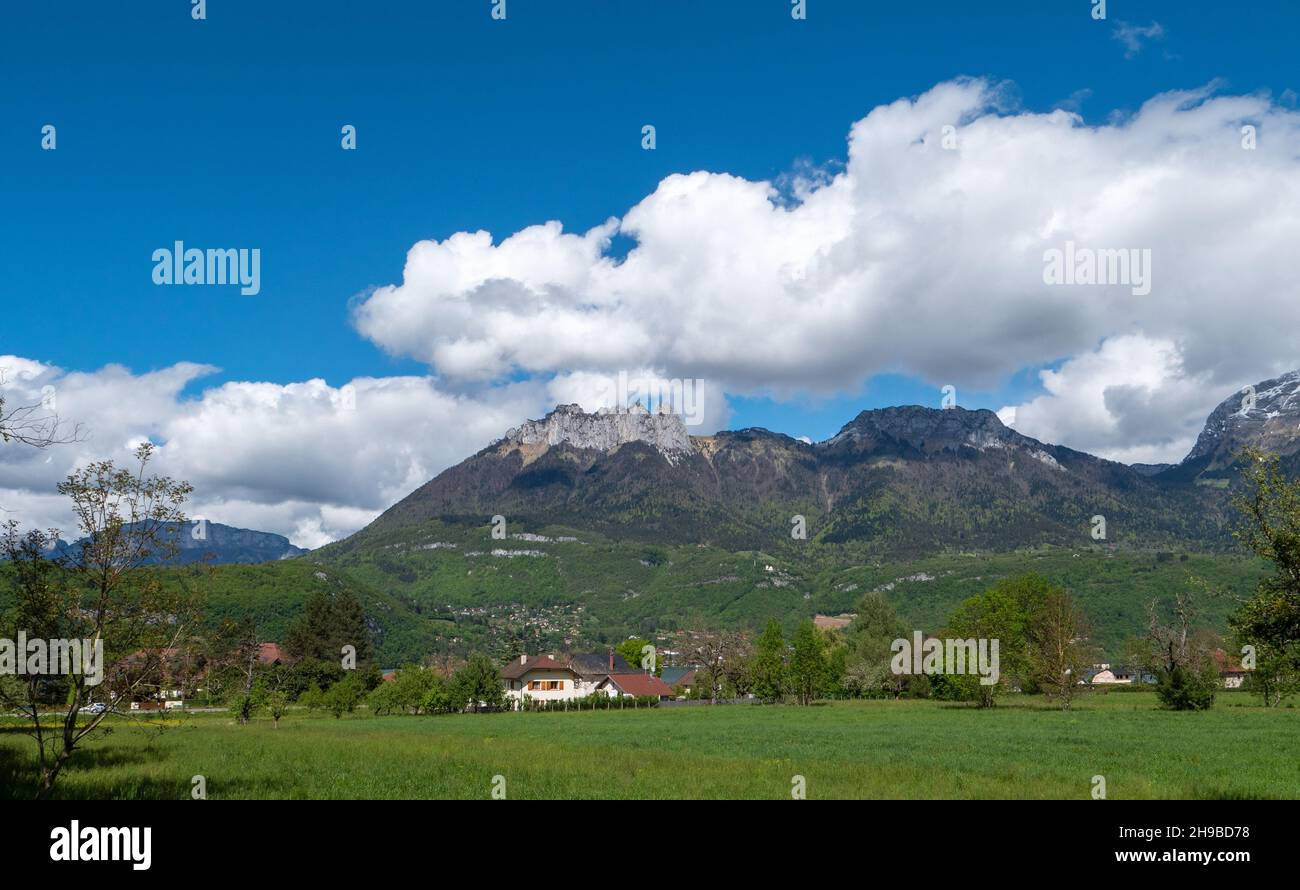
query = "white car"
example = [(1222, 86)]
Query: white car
[(95, 708)]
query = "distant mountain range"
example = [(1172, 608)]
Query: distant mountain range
[(904, 480), (213, 543)]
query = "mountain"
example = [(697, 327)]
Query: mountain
[(623, 523), (215, 544), (900, 481), (1265, 416)]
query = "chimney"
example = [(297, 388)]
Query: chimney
[(611, 661), (523, 659)]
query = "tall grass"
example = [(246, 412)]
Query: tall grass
[(906, 749)]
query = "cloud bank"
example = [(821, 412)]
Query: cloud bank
[(921, 254)]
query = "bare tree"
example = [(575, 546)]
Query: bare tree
[(1059, 651), (36, 424), (99, 592)]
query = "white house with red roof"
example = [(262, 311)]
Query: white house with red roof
[(635, 686), (542, 678)]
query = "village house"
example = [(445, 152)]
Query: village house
[(1117, 675), (1231, 674), (634, 686), (546, 678), (542, 678), (594, 667), (679, 677)]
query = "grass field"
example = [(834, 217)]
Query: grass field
[(907, 749)]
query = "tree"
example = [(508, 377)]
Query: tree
[(1059, 651), (1275, 675), (736, 657), (100, 593), (809, 669), (33, 423), (276, 704), (344, 696), (1270, 620), (1186, 675), (328, 622), (869, 638), (243, 645), (413, 689), (767, 666), (1000, 613), (632, 650), (479, 683)]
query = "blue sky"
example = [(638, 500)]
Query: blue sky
[(225, 133)]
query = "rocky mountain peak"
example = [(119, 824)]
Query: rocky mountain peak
[(605, 430), (928, 429), (1266, 415)]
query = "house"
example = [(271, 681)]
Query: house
[(271, 653), (595, 666), (679, 678), (634, 686), (1117, 675), (542, 678), (1231, 673)]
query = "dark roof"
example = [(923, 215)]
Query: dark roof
[(597, 664), (673, 676), (517, 668), (640, 684)]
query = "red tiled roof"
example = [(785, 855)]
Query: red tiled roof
[(269, 653), (640, 684), (1226, 663)]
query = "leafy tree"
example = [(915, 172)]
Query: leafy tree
[(809, 666), (312, 698), (413, 689), (100, 593), (479, 683), (869, 640), (1275, 675), (276, 704), (1270, 620), (767, 669), (631, 650), (327, 623), (1002, 613), (444, 696), (344, 696), (1059, 651), (736, 658)]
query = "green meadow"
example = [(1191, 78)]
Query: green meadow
[(854, 749)]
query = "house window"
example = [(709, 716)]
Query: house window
[(545, 685)]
